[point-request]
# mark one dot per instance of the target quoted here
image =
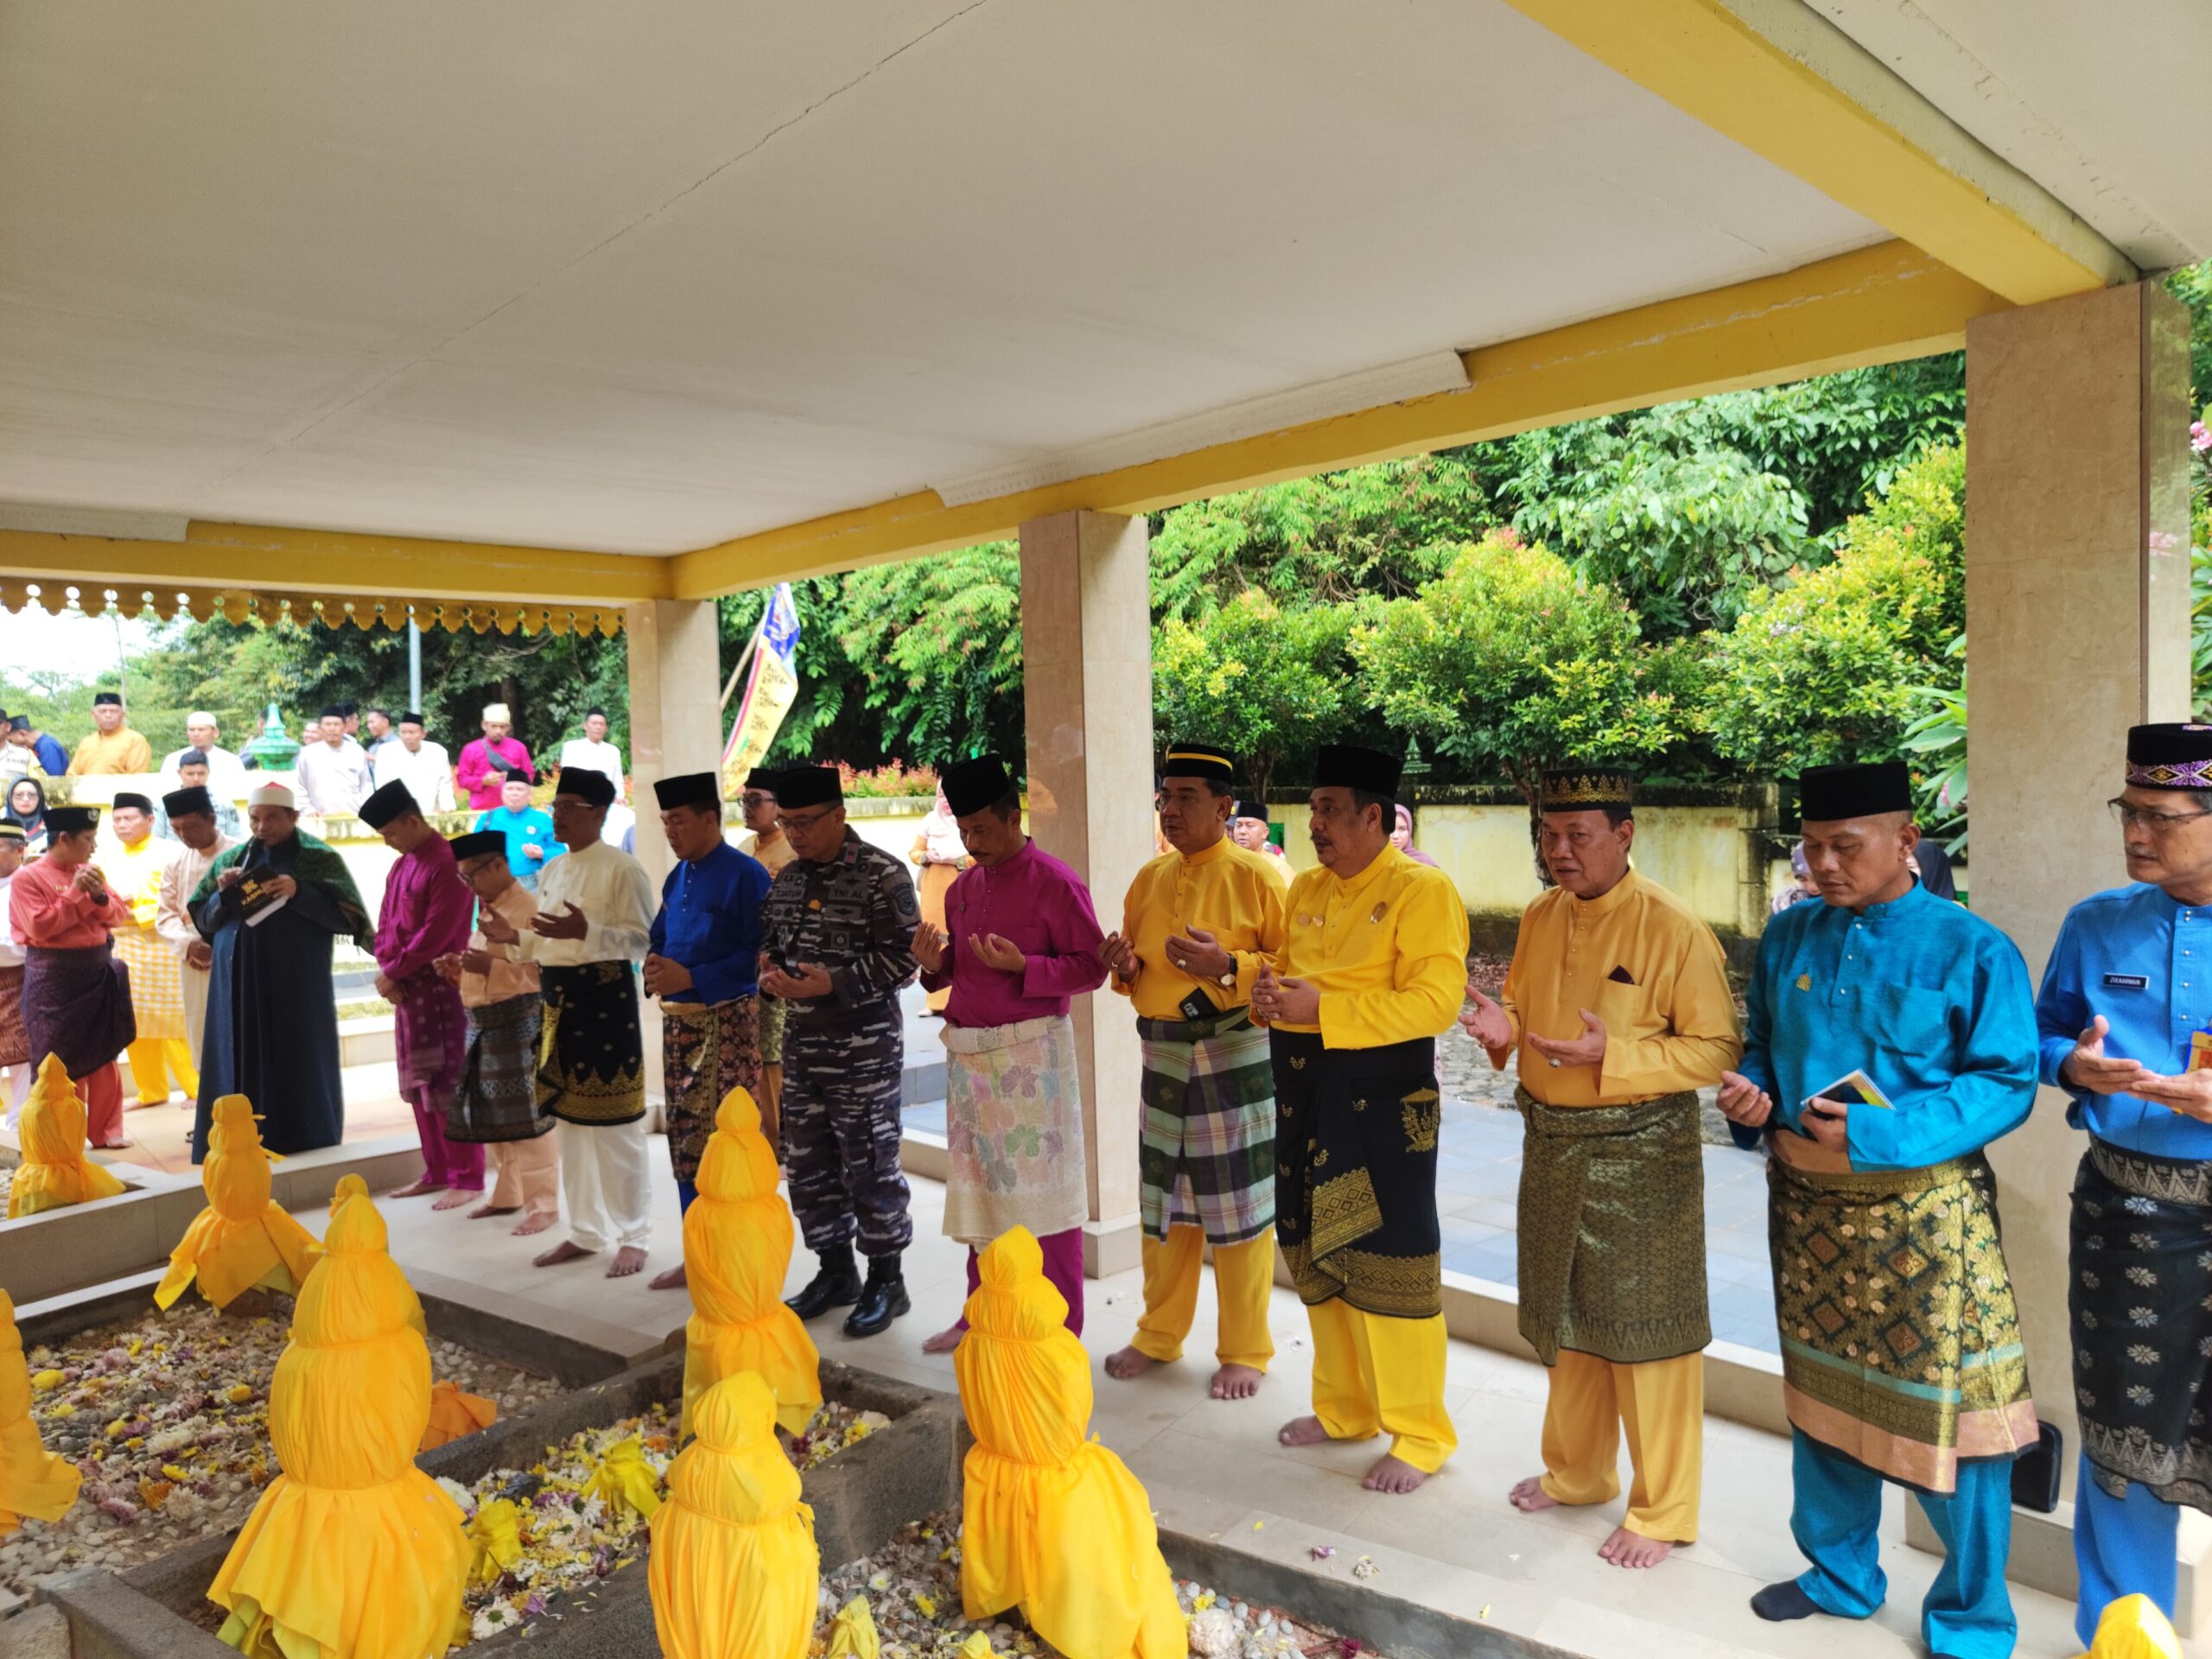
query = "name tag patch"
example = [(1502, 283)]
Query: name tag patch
[(2127, 981)]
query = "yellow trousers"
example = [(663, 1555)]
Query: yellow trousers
[(1373, 1375), (1661, 1405), (1243, 1275), (152, 1061)]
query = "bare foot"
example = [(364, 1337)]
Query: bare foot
[(1626, 1548), (567, 1250), (944, 1341), (534, 1226), (1302, 1431), (418, 1189), (672, 1279), (1530, 1496), (484, 1209), (453, 1200), (1127, 1362), (627, 1260), (111, 1146), (1235, 1383), (1393, 1475)]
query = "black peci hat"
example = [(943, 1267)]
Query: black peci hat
[(692, 789), (1347, 765), (1830, 794), (971, 785), (805, 786)]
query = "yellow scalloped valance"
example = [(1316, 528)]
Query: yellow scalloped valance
[(332, 610)]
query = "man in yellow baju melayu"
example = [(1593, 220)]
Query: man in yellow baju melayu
[(133, 866), (32, 1480), (1370, 974), (734, 1571), (114, 748), (1617, 1009), (737, 1248), (244, 1240), (1051, 1521)]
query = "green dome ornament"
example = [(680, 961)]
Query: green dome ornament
[(272, 751)]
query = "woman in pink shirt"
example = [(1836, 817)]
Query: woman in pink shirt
[(76, 995)]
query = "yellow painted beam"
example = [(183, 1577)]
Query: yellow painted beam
[(221, 555), (1879, 305), (1864, 139)]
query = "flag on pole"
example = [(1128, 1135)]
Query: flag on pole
[(769, 690)]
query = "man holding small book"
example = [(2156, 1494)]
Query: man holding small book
[(1889, 1038)]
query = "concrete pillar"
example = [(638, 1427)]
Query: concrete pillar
[(1086, 649), (2077, 612)]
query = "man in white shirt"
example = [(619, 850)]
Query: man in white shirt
[(333, 773), (411, 758), (192, 816), (594, 918), (593, 752), (226, 778), (381, 741)]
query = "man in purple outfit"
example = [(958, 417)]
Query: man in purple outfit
[(1020, 941), (426, 915)]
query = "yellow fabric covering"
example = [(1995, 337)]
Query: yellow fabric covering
[(737, 1248), (852, 1633), (624, 1480), (495, 1534), (1052, 1521), (453, 1414), (353, 1552), (243, 1240), (32, 1481), (2133, 1628), (734, 1573), (55, 1173)]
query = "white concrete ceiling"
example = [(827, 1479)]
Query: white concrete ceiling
[(645, 277)]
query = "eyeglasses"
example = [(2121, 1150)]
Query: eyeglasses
[(2158, 823), (803, 823)]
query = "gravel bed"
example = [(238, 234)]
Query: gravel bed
[(912, 1587), (167, 1417)]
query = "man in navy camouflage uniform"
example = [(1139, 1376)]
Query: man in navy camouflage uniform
[(839, 926)]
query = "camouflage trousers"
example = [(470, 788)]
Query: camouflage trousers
[(841, 1131)]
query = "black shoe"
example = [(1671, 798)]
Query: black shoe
[(837, 1284), (883, 1299), (1779, 1603)]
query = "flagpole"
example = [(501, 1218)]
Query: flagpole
[(745, 657)]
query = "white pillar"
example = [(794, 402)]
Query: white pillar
[(1086, 649)]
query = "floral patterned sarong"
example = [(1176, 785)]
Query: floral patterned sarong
[(1013, 1130)]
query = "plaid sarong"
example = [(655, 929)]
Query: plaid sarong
[(1013, 1130), (497, 1097), (706, 1050), (1900, 1339), (1206, 1153), (430, 1034), (157, 982)]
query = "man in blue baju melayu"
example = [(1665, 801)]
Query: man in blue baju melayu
[(1901, 1349), (2125, 995)]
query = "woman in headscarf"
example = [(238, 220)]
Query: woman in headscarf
[(1052, 1521), (941, 856), (735, 1570), (27, 812), (1402, 837)]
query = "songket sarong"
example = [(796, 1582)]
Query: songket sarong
[(707, 1049), (1900, 1339), (769, 1016), (1206, 1152), (77, 1004), (2140, 1294), (15, 1041), (1356, 1172), (157, 983), (1013, 1130), (1612, 1230), (496, 1098), (591, 1054), (429, 1038)]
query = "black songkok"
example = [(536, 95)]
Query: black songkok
[(1583, 789), (107, 699), (188, 803), (394, 800), (412, 718), (70, 820), (762, 777), (333, 711), (1347, 765), (592, 788), (1198, 760), (1831, 794), (479, 843), (805, 786), (2169, 757), (971, 785), (692, 789), (131, 798)]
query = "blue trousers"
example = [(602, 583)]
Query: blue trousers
[(1969, 1611), (685, 1191), (2124, 1547)]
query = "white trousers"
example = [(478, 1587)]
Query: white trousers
[(606, 1178), (195, 981)]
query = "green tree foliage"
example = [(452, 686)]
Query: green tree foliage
[(1511, 660), (936, 644), (1823, 670), (1254, 677)]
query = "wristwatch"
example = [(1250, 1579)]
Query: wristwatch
[(1228, 981)]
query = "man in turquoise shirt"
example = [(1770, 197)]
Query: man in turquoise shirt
[(528, 829), (1901, 1347), (2128, 986)]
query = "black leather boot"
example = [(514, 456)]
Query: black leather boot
[(883, 1299), (836, 1283)]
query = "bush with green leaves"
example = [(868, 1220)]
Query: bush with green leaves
[(1258, 680)]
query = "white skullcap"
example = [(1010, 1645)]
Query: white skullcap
[(271, 794), (200, 717), (498, 712)]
